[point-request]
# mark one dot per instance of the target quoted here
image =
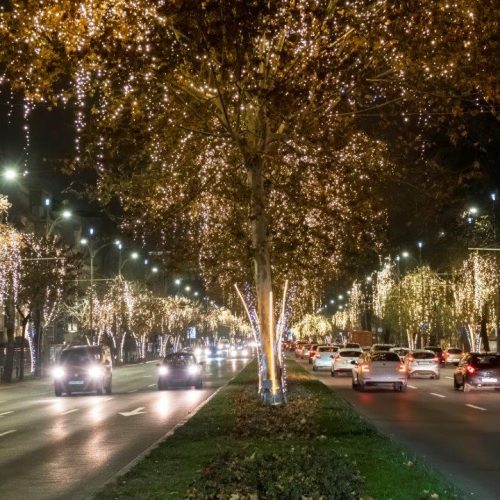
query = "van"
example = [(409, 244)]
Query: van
[(83, 368)]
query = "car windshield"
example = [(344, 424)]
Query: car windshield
[(423, 355), (454, 351), (79, 356), (486, 361), (179, 359), (327, 348), (350, 354), (435, 349), (385, 356)]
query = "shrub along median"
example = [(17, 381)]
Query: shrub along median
[(316, 446)]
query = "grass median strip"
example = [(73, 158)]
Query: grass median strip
[(235, 446)]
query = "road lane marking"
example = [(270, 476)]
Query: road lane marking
[(437, 395), (412, 386), (7, 432), (108, 399), (67, 412), (451, 378), (152, 385), (133, 390), (6, 413), (137, 411), (476, 407)]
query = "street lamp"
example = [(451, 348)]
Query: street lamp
[(10, 174), (420, 244), (178, 284), (133, 256), (65, 215)]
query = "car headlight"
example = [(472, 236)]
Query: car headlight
[(197, 352), (163, 370), (233, 352), (58, 372), (193, 370), (95, 372), (244, 352)]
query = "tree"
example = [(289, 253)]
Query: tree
[(10, 264), (239, 126)]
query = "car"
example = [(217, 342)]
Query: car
[(83, 368), (452, 355), (422, 362), (381, 347), (298, 348), (305, 351), (438, 351), (400, 351), (477, 371), (342, 362), (239, 351), (312, 352), (323, 357), (179, 369), (379, 368)]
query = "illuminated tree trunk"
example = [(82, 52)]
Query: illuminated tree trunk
[(10, 329), (271, 385)]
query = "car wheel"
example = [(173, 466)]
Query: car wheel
[(108, 388), (354, 385), (99, 390), (395, 387), (161, 387), (333, 373), (467, 387), (402, 387), (57, 391), (456, 385), (314, 368), (438, 376), (199, 385)]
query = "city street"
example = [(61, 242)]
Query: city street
[(68, 447), (456, 432)]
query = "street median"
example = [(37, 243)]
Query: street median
[(314, 447)]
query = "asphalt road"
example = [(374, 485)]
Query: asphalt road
[(458, 433), (68, 447)]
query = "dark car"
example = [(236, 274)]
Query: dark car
[(179, 369), (438, 352), (477, 371), (83, 368)]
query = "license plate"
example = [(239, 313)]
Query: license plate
[(75, 382), (489, 380)]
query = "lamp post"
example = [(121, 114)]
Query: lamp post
[(65, 215), (132, 256)]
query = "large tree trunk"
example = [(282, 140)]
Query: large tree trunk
[(271, 384), (10, 329), (37, 340)]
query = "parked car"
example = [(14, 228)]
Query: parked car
[(400, 351), (379, 368), (438, 351), (323, 357), (312, 352), (452, 355), (422, 362), (342, 362), (381, 347), (179, 369), (477, 371), (83, 368)]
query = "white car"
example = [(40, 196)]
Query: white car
[(422, 362), (344, 361), (400, 351), (453, 355), (379, 368), (323, 357)]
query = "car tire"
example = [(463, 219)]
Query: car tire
[(108, 388), (456, 385), (199, 385), (438, 376), (314, 368), (361, 387), (354, 385), (402, 387), (58, 391), (99, 390), (332, 373), (161, 387)]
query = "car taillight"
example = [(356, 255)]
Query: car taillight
[(402, 368), (470, 369), (365, 368), (411, 358), (317, 355), (339, 357), (436, 359)]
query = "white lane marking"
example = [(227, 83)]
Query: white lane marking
[(67, 412), (476, 407), (152, 385), (7, 432), (451, 378), (437, 395), (6, 413), (412, 386), (108, 399), (137, 411), (133, 390)]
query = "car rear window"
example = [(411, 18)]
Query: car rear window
[(385, 356), (327, 348), (423, 355), (381, 347), (488, 360), (350, 354), (455, 351)]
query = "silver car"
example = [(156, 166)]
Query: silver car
[(344, 361), (323, 357), (422, 362), (400, 351), (453, 355), (379, 368)]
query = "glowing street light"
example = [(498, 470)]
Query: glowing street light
[(10, 174)]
